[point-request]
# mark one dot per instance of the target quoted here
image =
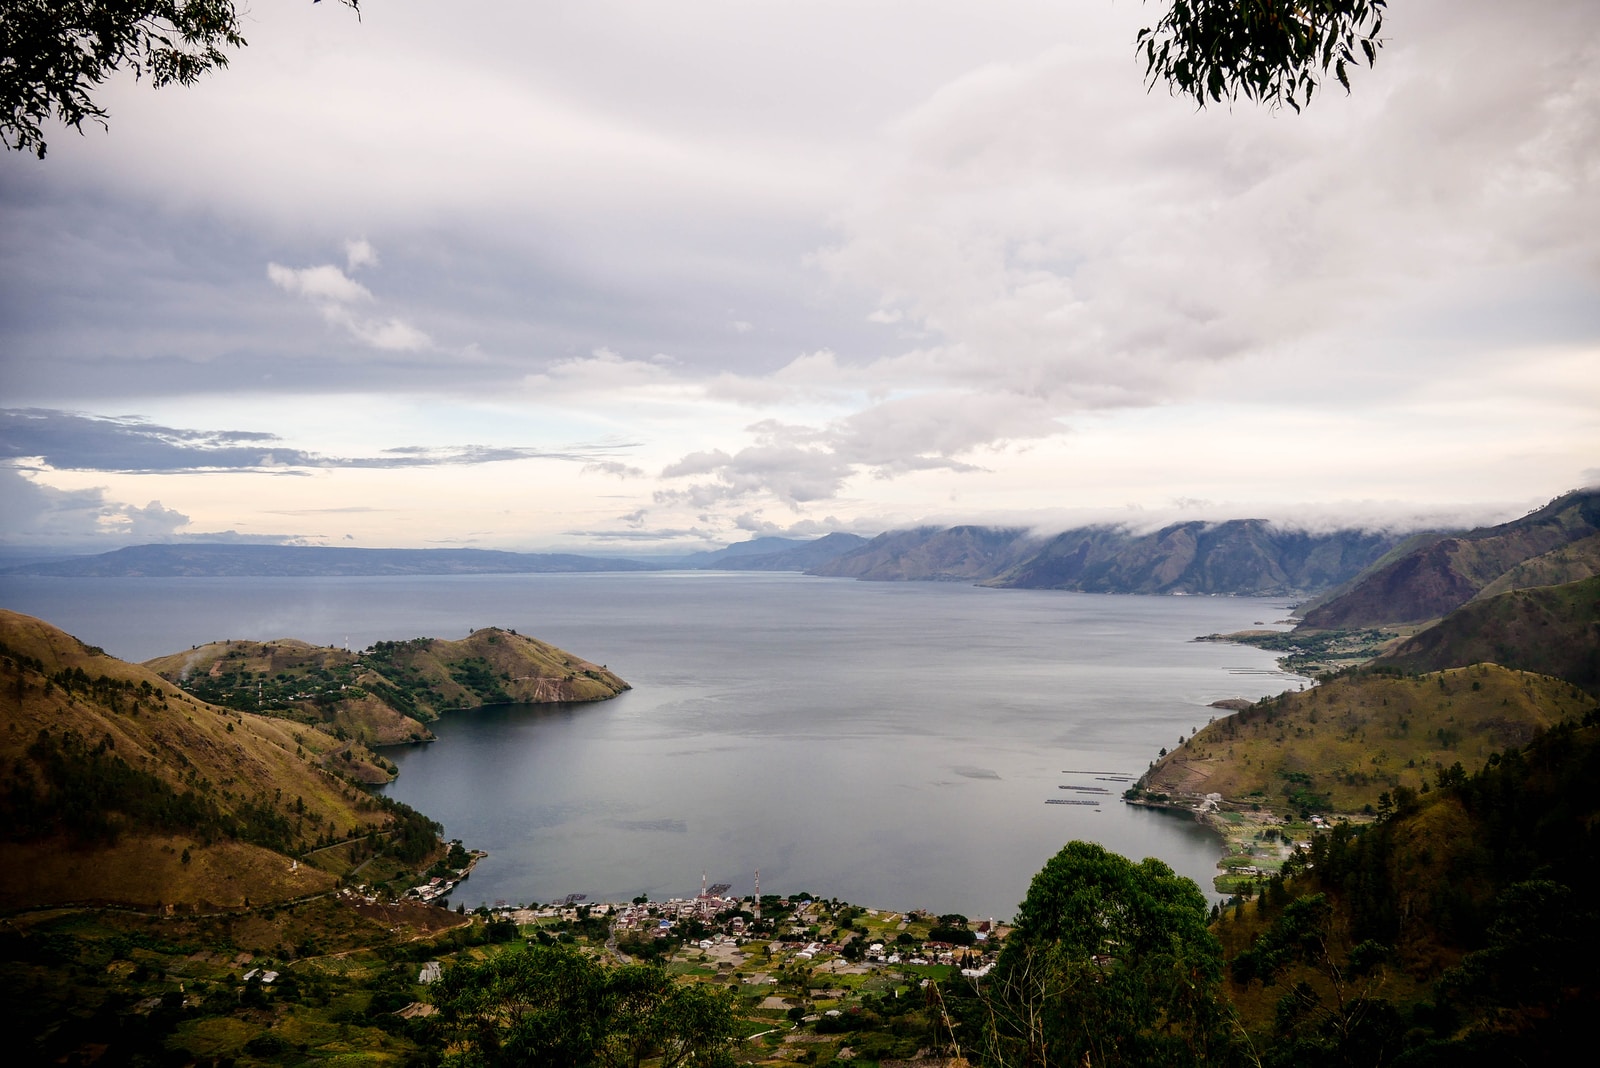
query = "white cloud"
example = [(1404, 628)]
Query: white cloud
[(333, 292), (991, 272), (1064, 235), (392, 335), (325, 283), (359, 253), (615, 468), (36, 513)]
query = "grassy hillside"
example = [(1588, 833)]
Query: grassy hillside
[(1552, 630), (390, 692), (1439, 577), (1569, 563), (123, 788), (1341, 745)]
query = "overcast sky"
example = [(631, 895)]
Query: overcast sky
[(602, 276)]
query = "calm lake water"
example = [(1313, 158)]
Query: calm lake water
[(890, 744)]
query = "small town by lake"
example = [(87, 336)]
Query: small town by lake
[(901, 745)]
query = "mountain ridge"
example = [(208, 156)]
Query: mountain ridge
[(1239, 557), (1436, 578)]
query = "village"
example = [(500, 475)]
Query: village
[(789, 960), (770, 933)]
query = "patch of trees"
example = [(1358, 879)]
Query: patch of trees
[(412, 836), (550, 1005), (1111, 964), (479, 679)]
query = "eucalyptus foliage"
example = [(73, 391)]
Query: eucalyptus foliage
[(54, 54), (1270, 51)]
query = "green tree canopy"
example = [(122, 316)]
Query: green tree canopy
[(1271, 51), (539, 1006), (1111, 964)]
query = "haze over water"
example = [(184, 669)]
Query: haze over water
[(891, 744)]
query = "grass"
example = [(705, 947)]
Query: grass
[(1338, 746)]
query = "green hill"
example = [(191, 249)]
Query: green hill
[(1339, 746), (1570, 563), (1552, 630), (390, 692)]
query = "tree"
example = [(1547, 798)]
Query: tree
[(550, 1005), (55, 53), (1111, 964), (1270, 51)]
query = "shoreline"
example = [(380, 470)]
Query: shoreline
[(1255, 842)]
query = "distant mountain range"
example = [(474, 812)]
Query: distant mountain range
[(226, 560), (773, 554), (1240, 557), (1348, 579), (220, 559)]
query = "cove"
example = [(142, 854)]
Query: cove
[(890, 744)]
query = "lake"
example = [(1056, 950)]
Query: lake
[(890, 744)]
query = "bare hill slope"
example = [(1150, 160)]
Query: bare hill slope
[(121, 788)]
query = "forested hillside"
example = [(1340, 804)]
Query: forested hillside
[(1457, 930)]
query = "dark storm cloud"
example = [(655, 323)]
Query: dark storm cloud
[(78, 442)]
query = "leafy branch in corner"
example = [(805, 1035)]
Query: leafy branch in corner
[(1270, 51), (55, 53)]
